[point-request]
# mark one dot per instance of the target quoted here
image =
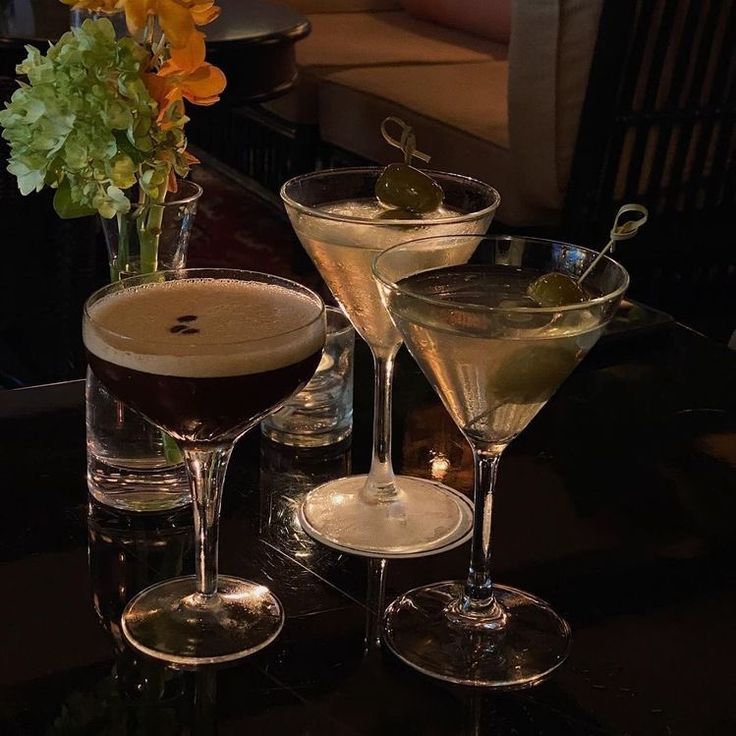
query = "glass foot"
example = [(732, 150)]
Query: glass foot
[(427, 518), (170, 622), (532, 641)]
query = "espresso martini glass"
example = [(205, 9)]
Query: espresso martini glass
[(494, 357), (342, 226), (204, 354)]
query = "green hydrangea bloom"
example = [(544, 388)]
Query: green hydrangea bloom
[(85, 123)]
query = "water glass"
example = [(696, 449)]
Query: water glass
[(322, 413)]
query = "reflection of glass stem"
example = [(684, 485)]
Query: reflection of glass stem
[(375, 604), (205, 698), (474, 711)]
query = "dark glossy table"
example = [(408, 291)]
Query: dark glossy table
[(617, 505), (252, 41)]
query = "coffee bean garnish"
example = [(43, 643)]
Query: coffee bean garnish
[(178, 328), (189, 331), (187, 318)]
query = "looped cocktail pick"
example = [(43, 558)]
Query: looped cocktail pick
[(620, 231), (407, 143)]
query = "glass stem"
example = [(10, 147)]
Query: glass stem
[(478, 595), (380, 486), (207, 474)]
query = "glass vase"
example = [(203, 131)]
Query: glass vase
[(77, 16), (132, 465)]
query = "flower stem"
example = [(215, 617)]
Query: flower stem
[(119, 264), (149, 229)]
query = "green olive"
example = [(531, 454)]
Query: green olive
[(404, 187), (556, 290), (532, 375)]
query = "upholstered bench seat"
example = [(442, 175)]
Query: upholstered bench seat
[(348, 40)]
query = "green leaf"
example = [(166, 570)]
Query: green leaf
[(66, 207)]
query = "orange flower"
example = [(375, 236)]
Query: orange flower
[(201, 84), (178, 18)]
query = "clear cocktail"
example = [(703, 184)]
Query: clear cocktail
[(494, 356), (343, 227)]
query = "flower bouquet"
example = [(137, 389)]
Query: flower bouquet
[(100, 119)]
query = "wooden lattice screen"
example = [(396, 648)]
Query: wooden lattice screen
[(659, 127)]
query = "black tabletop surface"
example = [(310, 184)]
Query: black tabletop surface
[(617, 505)]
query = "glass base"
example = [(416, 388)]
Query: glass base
[(139, 490), (426, 519), (169, 623), (529, 644)]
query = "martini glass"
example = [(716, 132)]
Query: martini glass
[(343, 227), (204, 354), (494, 358)]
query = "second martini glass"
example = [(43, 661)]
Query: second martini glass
[(343, 227), (495, 356)]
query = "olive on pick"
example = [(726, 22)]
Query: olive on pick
[(401, 186), (556, 290)]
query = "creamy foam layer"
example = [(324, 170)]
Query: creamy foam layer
[(204, 328)]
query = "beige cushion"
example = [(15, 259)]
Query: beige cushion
[(489, 18), (458, 111), (347, 40), (363, 39)]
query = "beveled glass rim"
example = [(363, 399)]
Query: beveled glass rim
[(321, 214), (480, 308), (213, 274), (331, 308)]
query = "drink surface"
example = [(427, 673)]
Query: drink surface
[(343, 251), (204, 327), (204, 358), (494, 370)]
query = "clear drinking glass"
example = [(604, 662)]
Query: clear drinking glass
[(341, 225), (204, 354), (132, 465), (321, 413), (494, 358)]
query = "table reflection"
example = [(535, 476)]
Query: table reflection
[(126, 554), (433, 447), (287, 475)]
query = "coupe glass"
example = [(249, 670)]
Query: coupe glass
[(158, 343), (341, 225), (494, 358)]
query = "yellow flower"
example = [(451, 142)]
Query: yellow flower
[(177, 18)]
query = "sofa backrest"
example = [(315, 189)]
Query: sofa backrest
[(552, 43), (487, 18)]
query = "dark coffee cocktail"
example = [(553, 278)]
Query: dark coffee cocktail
[(203, 358)]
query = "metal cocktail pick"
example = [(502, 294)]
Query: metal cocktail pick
[(620, 231), (407, 143)]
